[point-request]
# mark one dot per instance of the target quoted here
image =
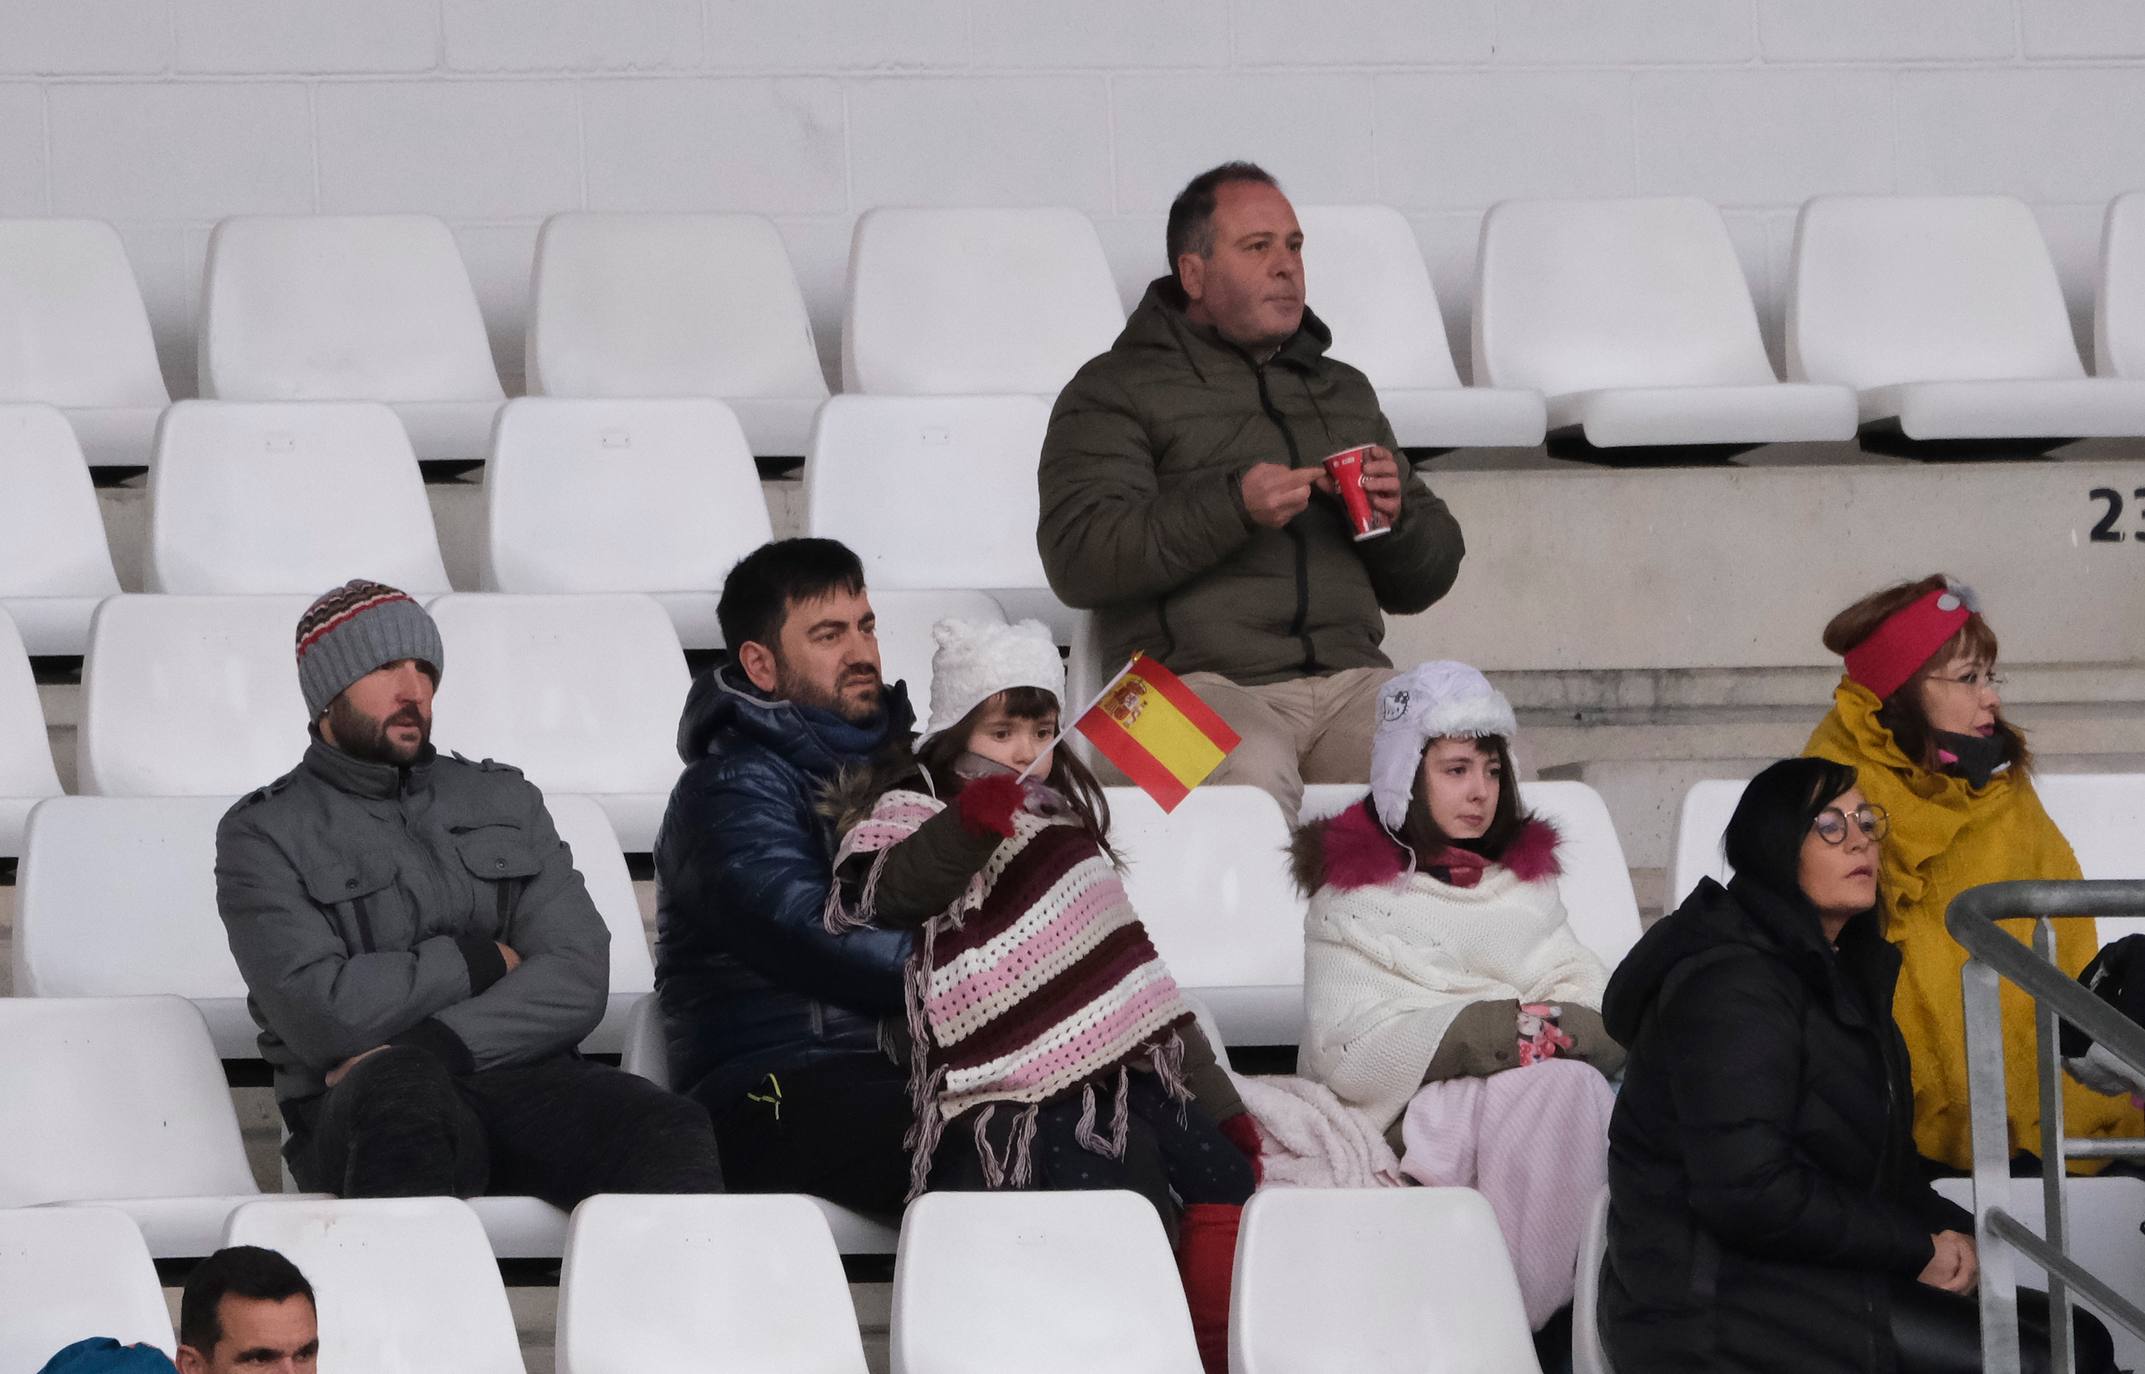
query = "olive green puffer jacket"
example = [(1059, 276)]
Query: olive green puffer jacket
[(1143, 517)]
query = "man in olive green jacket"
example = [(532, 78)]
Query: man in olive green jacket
[(1185, 503)]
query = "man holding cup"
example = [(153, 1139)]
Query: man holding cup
[(1225, 496)]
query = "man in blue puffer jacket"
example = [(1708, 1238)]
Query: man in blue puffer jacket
[(774, 1023)]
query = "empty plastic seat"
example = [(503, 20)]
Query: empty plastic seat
[(1633, 319), (122, 1101), (68, 1273), (2119, 301), (117, 898), (905, 642), (26, 772), (351, 308), (676, 305), (190, 696), (1944, 313), (1596, 883), (2106, 1235), (582, 693), (2103, 817), (936, 491), (1210, 881), (1358, 1281), (662, 1282), (251, 497), (658, 497), (1368, 282), (973, 301), (54, 562), (78, 335), (1050, 1281), (403, 1283), (1701, 820)]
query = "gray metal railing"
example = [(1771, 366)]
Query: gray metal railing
[(1994, 956)]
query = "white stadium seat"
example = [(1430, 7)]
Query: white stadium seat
[(653, 1283), (905, 642), (676, 305), (972, 301), (1701, 820), (26, 772), (121, 1101), (1596, 883), (1588, 1357), (1053, 1282), (54, 562), (350, 308), (1211, 883), (68, 1273), (1366, 1281), (287, 496), (1945, 314), (2119, 300), (1367, 280), (582, 693), (190, 696), (660, 497), (402, 1283), (117, 898), (2107, 1236), (1633, 319), (936, 491), (78, 335)]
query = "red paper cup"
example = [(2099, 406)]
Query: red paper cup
[(1346, 470)]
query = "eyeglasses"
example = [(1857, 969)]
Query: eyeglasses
[(1975, 680), (1831, 823)]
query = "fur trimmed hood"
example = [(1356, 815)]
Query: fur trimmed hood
[(1354, 850), (846, 799)]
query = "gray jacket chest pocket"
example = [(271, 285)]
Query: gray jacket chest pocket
[(502, 861), (361, 897)]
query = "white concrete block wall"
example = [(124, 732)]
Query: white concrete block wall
[(163, 115)]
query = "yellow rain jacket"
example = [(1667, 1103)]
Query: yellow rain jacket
[(1946, 837)]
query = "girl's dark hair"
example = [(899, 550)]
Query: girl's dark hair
[(1422, 835), (1765, 835), (1072, 778), (1902, 712)]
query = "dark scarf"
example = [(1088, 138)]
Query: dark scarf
[(1975, 758)]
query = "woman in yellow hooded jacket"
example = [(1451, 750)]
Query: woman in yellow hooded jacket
[(1918, 716)]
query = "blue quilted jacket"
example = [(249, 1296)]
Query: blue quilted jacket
[(751, 981)]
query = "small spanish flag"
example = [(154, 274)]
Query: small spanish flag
[(1157, 730)]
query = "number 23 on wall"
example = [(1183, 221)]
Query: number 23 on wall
[(2104, 531)]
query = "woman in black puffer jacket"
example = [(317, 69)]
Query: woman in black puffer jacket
[(1764, 1209)]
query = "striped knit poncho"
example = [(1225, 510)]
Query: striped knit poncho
[(1039, 982)]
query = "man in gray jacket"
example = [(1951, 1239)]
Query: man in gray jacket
[(421, 955)]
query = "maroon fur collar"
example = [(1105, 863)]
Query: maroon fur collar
[(1353, 850)]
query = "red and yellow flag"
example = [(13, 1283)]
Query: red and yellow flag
[(1157, 731)]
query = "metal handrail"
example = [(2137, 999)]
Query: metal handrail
[(1995, 954)]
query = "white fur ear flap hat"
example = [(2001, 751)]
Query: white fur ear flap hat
[(976, 660), (1429, 701)]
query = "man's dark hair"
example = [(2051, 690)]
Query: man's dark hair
[(240, 1271), (759, 591), (1191, 214)]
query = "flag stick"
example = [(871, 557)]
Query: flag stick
[(1114, 679)]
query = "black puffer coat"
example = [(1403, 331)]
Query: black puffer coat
[(1763, 1195), (750, 979)]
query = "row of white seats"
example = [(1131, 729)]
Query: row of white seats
[(660, 497), (1414, 1280), (1628, 321)]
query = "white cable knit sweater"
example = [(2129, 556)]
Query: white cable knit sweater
[(1389, 964)]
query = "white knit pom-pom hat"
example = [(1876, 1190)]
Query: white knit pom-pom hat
[(976, 660), (1429, 701)]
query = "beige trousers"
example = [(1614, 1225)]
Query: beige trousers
[(1309, 729)]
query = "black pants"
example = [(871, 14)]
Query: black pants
[(1168, 1163), (832, 1129), (1940, 1333), (400, 1125)]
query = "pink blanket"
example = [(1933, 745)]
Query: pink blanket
[(1534, 1141), (1311, 1140)]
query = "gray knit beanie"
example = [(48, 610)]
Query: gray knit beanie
[(356, 628)]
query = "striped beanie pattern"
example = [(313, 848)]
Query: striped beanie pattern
[(356, 628)]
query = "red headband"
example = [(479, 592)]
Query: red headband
[(1907, 639)]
